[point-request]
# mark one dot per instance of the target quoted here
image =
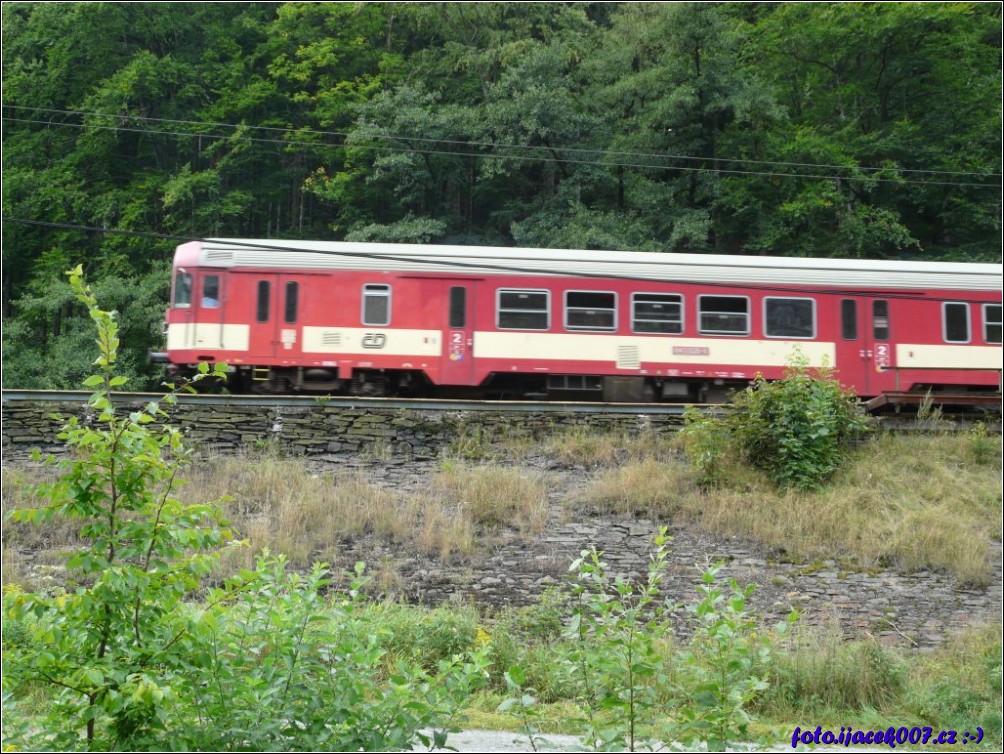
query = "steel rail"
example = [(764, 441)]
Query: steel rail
[(418, 404)]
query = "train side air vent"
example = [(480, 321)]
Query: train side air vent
[(628, 357), (219, 256), (333, 339)]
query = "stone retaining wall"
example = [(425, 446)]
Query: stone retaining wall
[(325, 429)]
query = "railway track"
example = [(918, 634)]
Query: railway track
[(906, 422)]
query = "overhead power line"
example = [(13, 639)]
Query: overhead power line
[(490, 145), (471, 266), (601, 161)]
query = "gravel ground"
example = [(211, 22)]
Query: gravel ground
[(503, 741), (492, 741), (489, 740)]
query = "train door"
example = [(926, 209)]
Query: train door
[(288, 305), (196, 320), (882, 367), (208, 303), (458, 341), (864, 348), (181, 318), (275, 317)]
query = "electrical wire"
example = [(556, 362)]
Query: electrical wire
[(479, 266), (129, 118), (516, 158)]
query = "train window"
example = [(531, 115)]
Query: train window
[(992, 323), (955, 318), (458, 306), (880, 320), (210, 292), (292, 302), (724, 315), (789, 317), (590, 310), (523, 310), (262, 310), (376, 304), (849, 319), (182, 290), (657, 312)]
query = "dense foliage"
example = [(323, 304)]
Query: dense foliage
[(843, 130), (797, 430), (132, 662)]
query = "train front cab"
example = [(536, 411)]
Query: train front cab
[(196, 321)]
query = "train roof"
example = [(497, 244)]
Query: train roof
[(465, 261)]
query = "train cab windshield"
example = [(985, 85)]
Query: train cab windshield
[(182, 290)]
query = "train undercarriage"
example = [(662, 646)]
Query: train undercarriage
[(413, 383), (376, 383)]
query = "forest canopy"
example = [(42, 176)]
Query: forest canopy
[(802, 129)]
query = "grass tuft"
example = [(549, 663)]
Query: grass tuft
[(495, 497)]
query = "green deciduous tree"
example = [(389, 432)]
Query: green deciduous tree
[(109, 647)]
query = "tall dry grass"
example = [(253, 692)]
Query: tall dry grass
[(280, 503), (581, 446), (495, 497), (905, 501), (648, 487), (911, 502), (30, 551)]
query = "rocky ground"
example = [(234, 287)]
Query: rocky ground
[(916, 610), (909, 609)]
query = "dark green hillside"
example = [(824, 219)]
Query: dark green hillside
[(842, 130)]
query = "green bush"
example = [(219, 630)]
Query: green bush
[(131, 662), (616, 660), (110, 648), (724, 669), (427, 636), (797, 429), (962, 688), (282, 667), (817, 676), (618, 631)]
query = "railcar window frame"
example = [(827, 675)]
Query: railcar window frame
[(211, 295), (376, 293), (597, 312), (701, 312), (988, 323), (291, 305), (849, 319), (182, 298), (263, 301), (948, 324), (881, 328), (659, 299), (500, 311), (789, 299)]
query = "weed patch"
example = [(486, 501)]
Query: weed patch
[(904, 501), (648, 487), (495, 497)]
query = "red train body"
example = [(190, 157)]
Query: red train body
[(378, 319)]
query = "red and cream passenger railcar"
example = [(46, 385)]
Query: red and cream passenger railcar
[(383, 318)]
